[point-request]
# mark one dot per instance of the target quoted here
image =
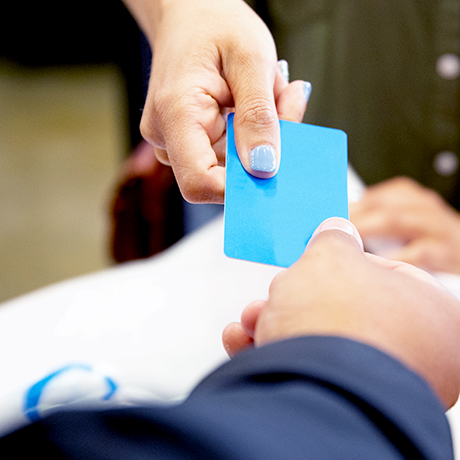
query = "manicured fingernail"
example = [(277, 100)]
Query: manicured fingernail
[(284, 69), (307, 90), (263, 158)]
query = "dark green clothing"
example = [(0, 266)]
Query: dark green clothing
[(372, 64)]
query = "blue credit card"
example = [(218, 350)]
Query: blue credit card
[(271, 220)]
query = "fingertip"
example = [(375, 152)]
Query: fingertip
[(307, 90), (341, 224), (228, 338), (227, 332), (250, 316), (202, 185), (235, 340), (283, 67), (291, 102)]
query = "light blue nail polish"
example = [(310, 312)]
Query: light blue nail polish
[(307, 90), (284, 69), (263, 158)]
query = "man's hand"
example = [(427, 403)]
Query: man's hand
[(424, 227), (337, 289), (210, 57)]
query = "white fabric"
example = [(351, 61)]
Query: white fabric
[(153, 326)]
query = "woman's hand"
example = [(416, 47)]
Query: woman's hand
[(211, 57)]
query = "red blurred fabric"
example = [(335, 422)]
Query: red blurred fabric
[(146, 209)]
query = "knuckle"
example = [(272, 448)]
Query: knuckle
[(399, 222), (420, 192), (151, 131), (433, 197), (146, 131), (258, 113), (404, 181), (158, 115)]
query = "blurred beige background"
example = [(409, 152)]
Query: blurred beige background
[(62, 137)]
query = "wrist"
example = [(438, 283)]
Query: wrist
[(148, 14), (153, 16)]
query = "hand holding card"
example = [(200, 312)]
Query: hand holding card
[(271, 220)]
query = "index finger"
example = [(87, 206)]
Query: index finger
[(190, 122), (200, 177)]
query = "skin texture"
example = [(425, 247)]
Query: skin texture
[(424, 227), (204, 66), (337, 289), (218, 57)]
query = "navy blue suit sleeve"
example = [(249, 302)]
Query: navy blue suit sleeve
[(304, 398)]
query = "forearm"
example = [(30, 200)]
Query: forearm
[(147, 13), (330, 396), (151, 14)]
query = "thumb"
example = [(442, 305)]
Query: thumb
[(256, 123), (332, 225)]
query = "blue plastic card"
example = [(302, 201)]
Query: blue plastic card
[(271, 220)]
